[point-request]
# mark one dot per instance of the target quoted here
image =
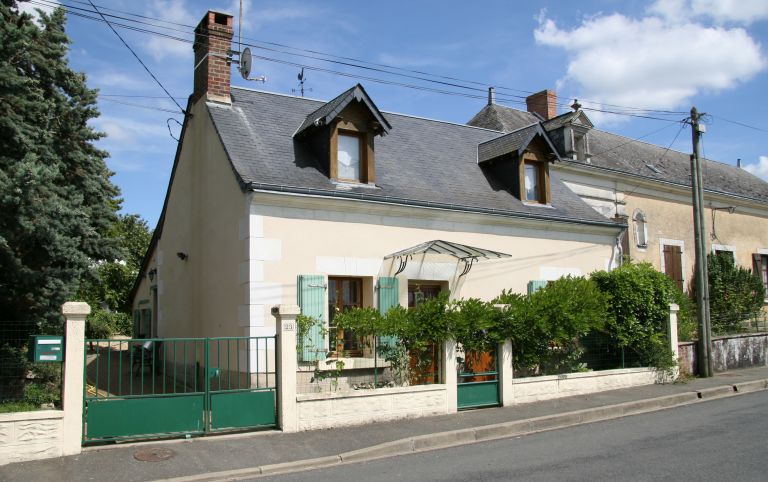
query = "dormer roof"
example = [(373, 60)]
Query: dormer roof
[(513, 143), (329, 111), (578, 118)]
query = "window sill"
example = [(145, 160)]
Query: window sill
[(357, 363), (347, 185), (538, 205)]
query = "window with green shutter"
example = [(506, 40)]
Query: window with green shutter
[(311, 299), (535, 285), (389, 296)]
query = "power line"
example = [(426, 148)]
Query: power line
[(139, 59), (636, 139), (385, 66), (142, 106), (740, 124)]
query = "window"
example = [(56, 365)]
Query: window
[(673, 264), (534, 183), (343, 294), (641, 229), (760, 268), (349, 157)]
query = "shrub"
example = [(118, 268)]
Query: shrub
[(98, 325), (735, 294), (639, 307)]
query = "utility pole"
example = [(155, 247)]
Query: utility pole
[(704, 357)]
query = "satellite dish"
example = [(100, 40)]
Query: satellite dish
[(246, 62)]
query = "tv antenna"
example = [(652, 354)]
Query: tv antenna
[(246, 63), (302, 79)]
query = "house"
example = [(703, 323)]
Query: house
[(649, 188), (276, 199)]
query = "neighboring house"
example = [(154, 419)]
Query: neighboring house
[(648, 187), (276, 199)]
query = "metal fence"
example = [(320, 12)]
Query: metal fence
[(25, 385)]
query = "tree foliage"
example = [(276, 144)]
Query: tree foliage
[(57, 202), (735, 294)]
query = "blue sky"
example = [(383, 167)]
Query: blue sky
[(664, 55)]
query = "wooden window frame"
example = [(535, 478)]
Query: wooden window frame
[(339, 350), (760, 267), (367, 171), (542, 168)]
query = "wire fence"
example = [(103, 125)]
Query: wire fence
[(738, 323), (25, 385)]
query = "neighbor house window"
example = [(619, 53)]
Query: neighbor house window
[(760, 267), (349, 158)]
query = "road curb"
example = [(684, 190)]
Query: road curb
[(423, 443)]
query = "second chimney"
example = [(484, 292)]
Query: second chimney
[(543, 103), (213, 41)]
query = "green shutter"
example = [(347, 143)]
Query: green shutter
[(146, 325), (535, 285), (311, 299), (389, 296)]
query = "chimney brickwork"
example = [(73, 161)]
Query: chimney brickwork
[(213, 42), (543, 103)]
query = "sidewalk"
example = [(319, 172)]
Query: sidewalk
[(231, 456)]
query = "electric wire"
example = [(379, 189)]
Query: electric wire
[(632, 111), (139, 59)]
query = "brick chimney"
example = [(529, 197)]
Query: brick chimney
[(213, 41), (543, 103)]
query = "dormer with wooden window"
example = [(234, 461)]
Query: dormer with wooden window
[(520, 161), (342, 133)]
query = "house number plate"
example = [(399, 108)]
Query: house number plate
[(288, 326)]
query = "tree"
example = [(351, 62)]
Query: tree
[(57, 203), (106, 286)]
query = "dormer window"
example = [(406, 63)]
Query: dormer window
[(519, 161), (349, 156), (341, 133)]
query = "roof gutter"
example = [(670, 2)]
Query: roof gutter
[(257, 186)]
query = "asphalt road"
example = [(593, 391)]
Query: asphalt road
[(718, 440)]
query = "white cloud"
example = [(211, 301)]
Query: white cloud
[(32, 9), (651, 62), (759, 169), (720, 11), (176, 11)]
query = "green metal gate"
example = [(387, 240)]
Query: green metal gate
[(159, 387), (478, 380)]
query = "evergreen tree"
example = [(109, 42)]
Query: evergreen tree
[(57, 202)]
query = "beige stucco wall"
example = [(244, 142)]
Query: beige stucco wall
[(303, 235), (534, 389), (205, 217), (669, 215), (744, 231)]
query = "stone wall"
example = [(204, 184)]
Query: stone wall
[(729, 352), (31, 435), (533, 389), (338, 409)]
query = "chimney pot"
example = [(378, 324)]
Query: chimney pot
[(543, 103), (491, 95)]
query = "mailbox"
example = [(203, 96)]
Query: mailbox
[(45, 348)]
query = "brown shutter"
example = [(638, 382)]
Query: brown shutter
[(756, 264), (673, 264)]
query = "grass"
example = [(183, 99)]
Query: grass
[(21, 406)]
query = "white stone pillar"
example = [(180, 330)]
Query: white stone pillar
[(449, 376), (74, 364), (285, 323), (672, 329), (505, 374)]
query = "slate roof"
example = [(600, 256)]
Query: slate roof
[(619, 153), (514, 142), (421, 162)]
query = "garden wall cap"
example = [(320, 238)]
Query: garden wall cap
[(75, 308)]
